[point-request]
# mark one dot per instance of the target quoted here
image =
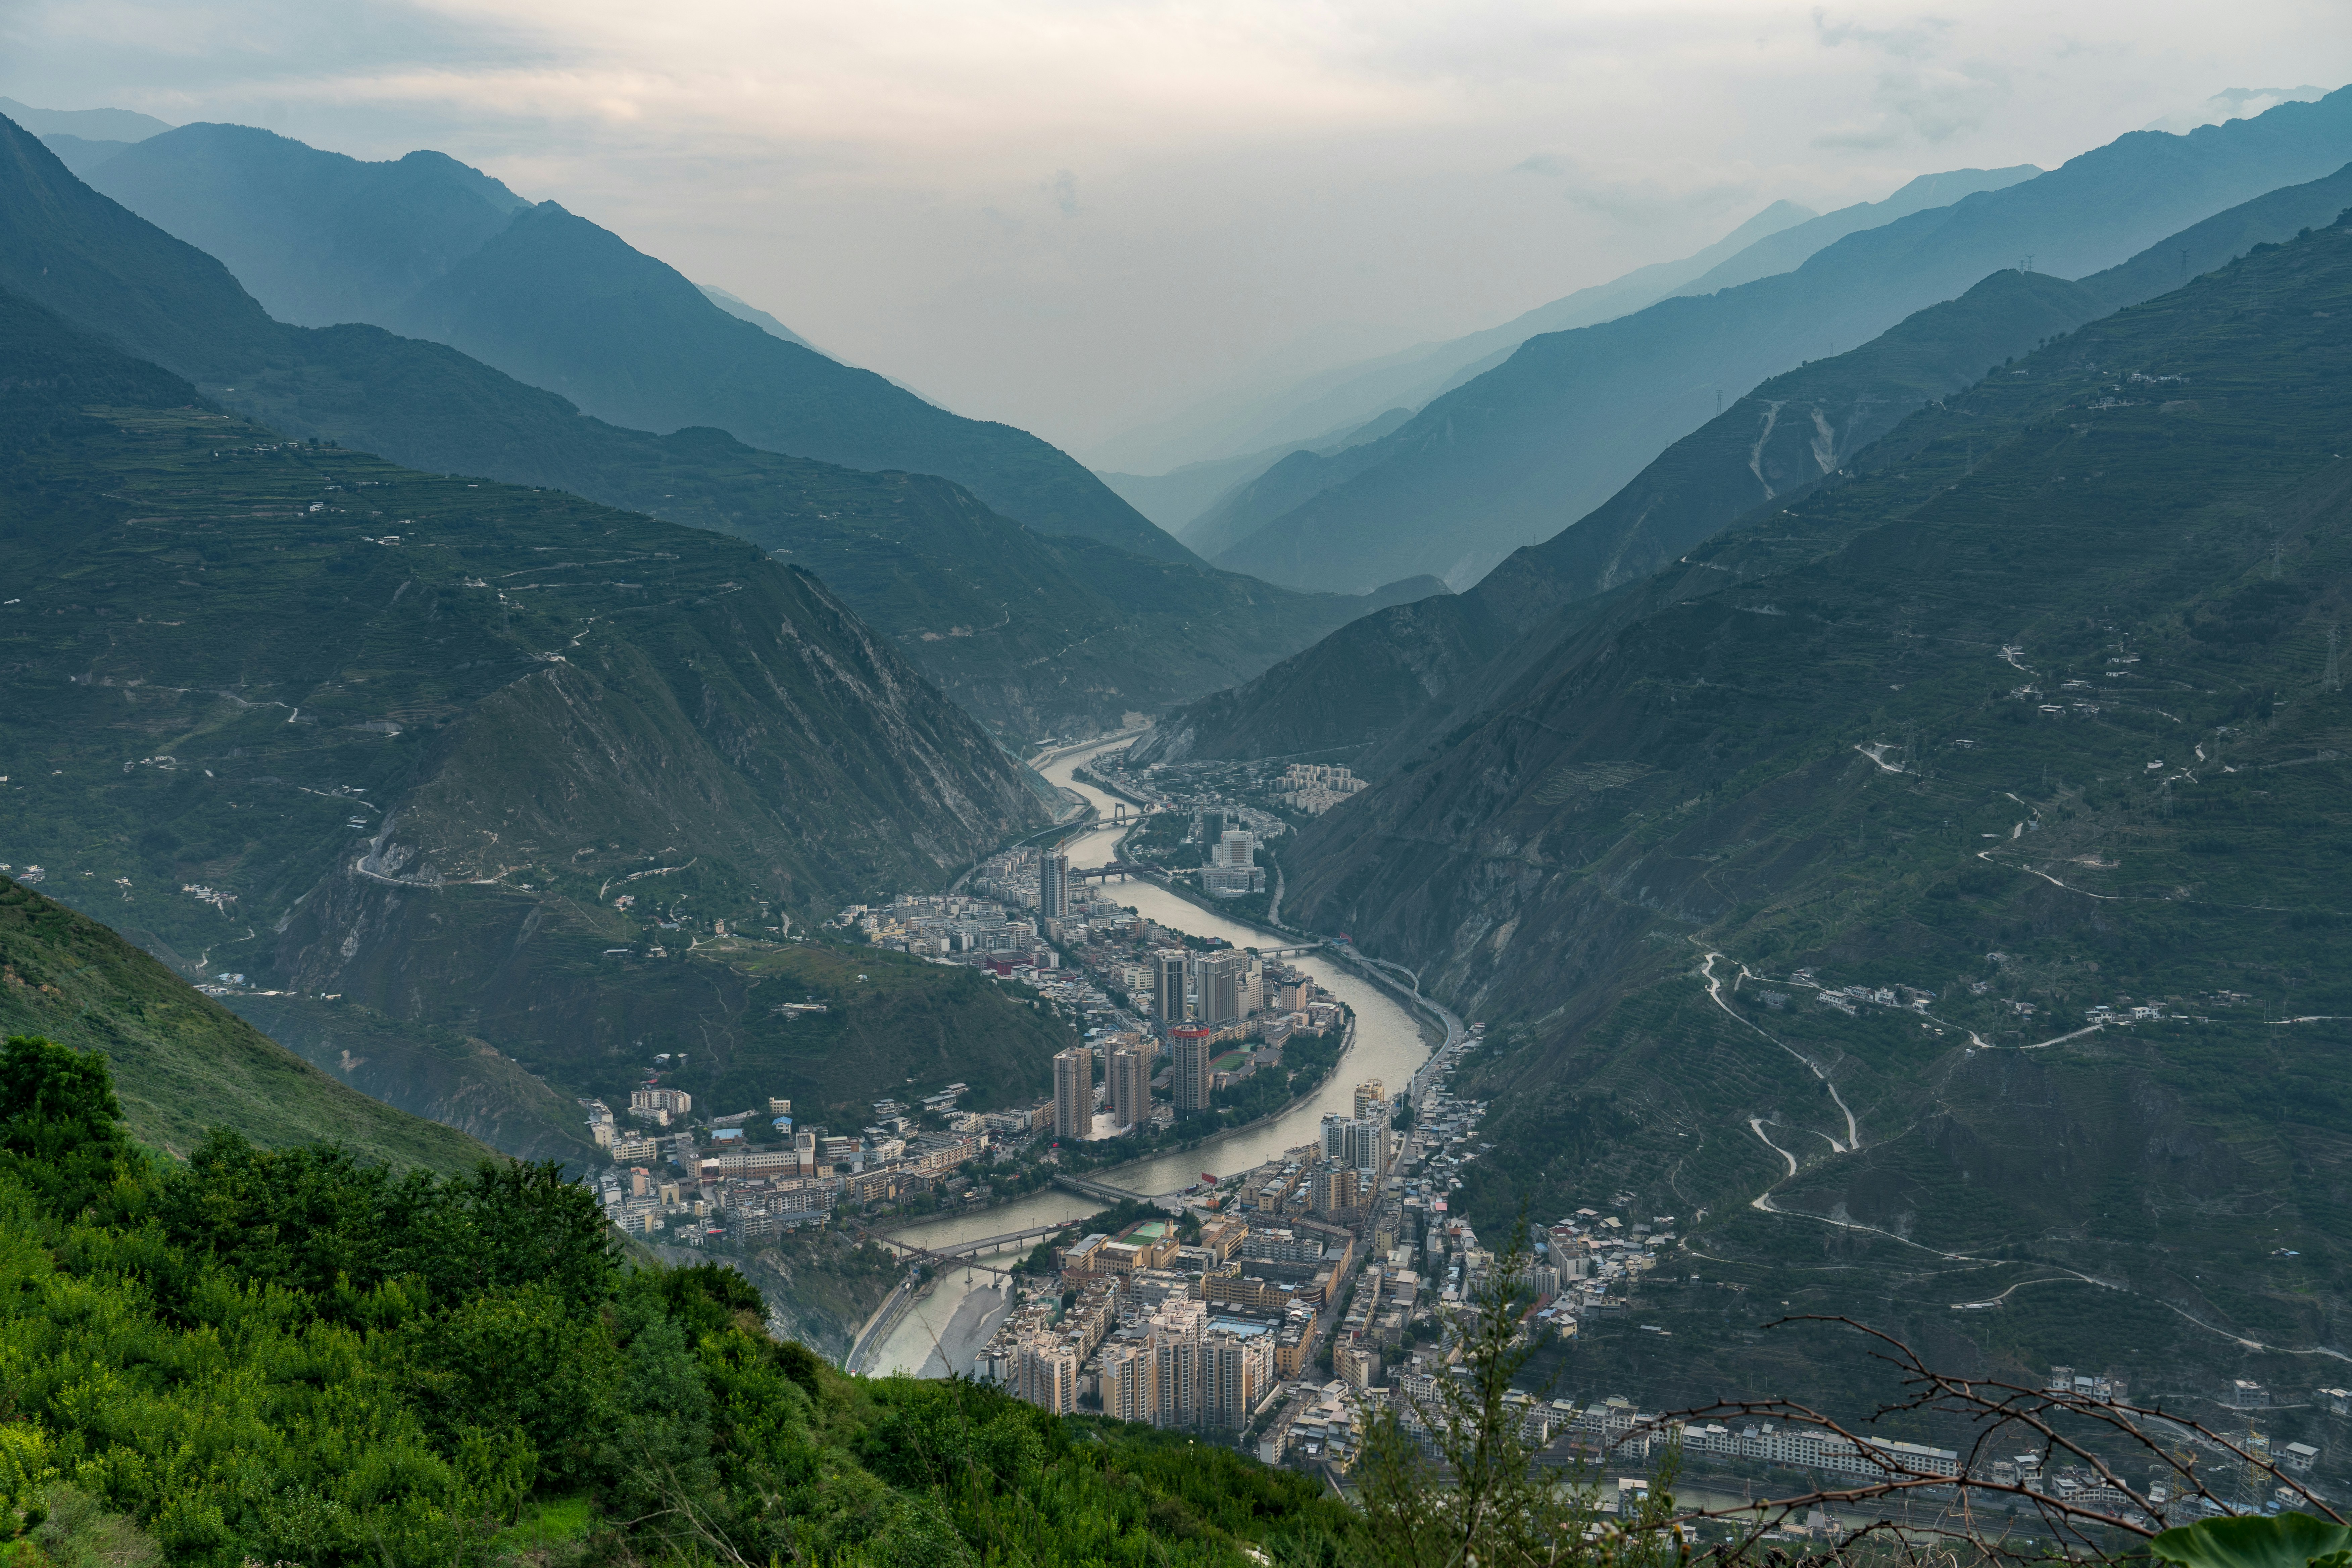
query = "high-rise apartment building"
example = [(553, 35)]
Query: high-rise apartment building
[(1074, 1093), (1131, 1381), (1222, 979), (1176, 1331), (1053, 885), (1194, 1047), (1171, 970), (1046, 1375), (1366, 1093), (1128, 1068), (1358, 1142), (1230, 870), (1237, 1369)]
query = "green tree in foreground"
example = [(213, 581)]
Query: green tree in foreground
[(1482, 1499), (61, 1131)]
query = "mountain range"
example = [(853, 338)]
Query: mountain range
[(431, 249), (477, 788), (1512, 455), (1036, 633), (1378, 688), (1930, 886), (1774, 240)]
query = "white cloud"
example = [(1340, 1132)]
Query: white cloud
[(1076, 213)]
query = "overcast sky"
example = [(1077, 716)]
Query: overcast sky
[(1079, 216)]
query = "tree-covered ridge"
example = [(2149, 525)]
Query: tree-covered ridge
[(296, 1356), (2034, 707)]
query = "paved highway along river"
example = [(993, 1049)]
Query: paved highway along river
[(945, 1330)]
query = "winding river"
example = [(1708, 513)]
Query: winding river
[(945, 1329)]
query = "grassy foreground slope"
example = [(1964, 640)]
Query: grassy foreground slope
[(2036, 706), (182, 1063), (293, 1356)]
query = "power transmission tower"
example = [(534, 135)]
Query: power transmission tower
[(2184, 265), (2333, 679)]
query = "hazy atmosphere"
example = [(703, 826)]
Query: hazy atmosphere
[(1080, 218), (1134, 784)]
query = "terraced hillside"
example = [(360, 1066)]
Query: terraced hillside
[(2035, 707), (480, 757)]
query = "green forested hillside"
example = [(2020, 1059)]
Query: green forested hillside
[(182, 1063), (293, 1356), (1387, 683), (2034, 707), (1034, 631), (484, 758)]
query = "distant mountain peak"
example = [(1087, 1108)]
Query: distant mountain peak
[(90, 124)]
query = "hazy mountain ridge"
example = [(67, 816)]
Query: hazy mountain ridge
[(1035, 633), (1775, 240), (1346, 396), (1486, 466), (1788, 248), (1383, 685), (2030, 707), (430, 247), (316, 238)]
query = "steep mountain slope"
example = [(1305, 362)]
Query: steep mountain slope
[(1383, 684), (79, 153), (184, 1063), (473, 756), (1345, 397), (427, 247), (316, 238), (743, 312), (1306, 472), (1775, 240), (1035, 633), (1181, 500), (2034, 705), (1511, 456), (1788, 249)]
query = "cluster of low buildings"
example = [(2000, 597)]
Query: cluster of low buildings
[(1315, 788), (705, 1180), (995, 933)]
